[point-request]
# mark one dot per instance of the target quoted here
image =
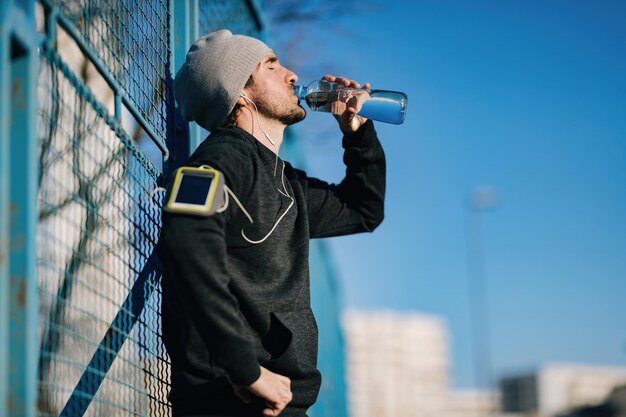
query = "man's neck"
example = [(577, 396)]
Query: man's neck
[(264, 130)]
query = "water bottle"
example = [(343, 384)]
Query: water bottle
[(381, 105)]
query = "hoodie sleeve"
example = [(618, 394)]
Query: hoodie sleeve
[(357, 203)]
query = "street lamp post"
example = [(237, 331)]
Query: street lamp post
[(481, 199)]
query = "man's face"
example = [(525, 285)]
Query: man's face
[(272, 91)]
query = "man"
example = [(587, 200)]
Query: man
[(237, 321)]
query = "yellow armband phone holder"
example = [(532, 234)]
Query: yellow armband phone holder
[(201, 191), (196, 191)]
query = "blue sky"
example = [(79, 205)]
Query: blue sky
[(528, 97)]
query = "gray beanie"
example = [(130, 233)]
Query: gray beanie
[(215, 71)]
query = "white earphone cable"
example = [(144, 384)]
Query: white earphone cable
[(261, 129), (285, 193)]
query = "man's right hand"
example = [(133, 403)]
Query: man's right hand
[(275, 389)]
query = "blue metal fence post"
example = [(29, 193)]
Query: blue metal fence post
[(19, 85), (187, 31), (259, 18), (185, 28), (4, 206)]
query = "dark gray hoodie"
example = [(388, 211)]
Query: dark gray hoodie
[(229, 305)]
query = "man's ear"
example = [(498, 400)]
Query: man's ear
[(241, 101)]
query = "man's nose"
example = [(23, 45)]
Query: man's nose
[(292, 78)]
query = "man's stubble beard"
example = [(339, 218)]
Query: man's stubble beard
[(287, 115), (293, 116)]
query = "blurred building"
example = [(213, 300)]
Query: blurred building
[(398, 366), (472, 403), (557, 388)]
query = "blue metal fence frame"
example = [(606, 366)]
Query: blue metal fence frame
[(18, 208), (4, 208)]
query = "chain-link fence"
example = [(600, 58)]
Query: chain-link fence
[(238, 16), (104, 89)]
